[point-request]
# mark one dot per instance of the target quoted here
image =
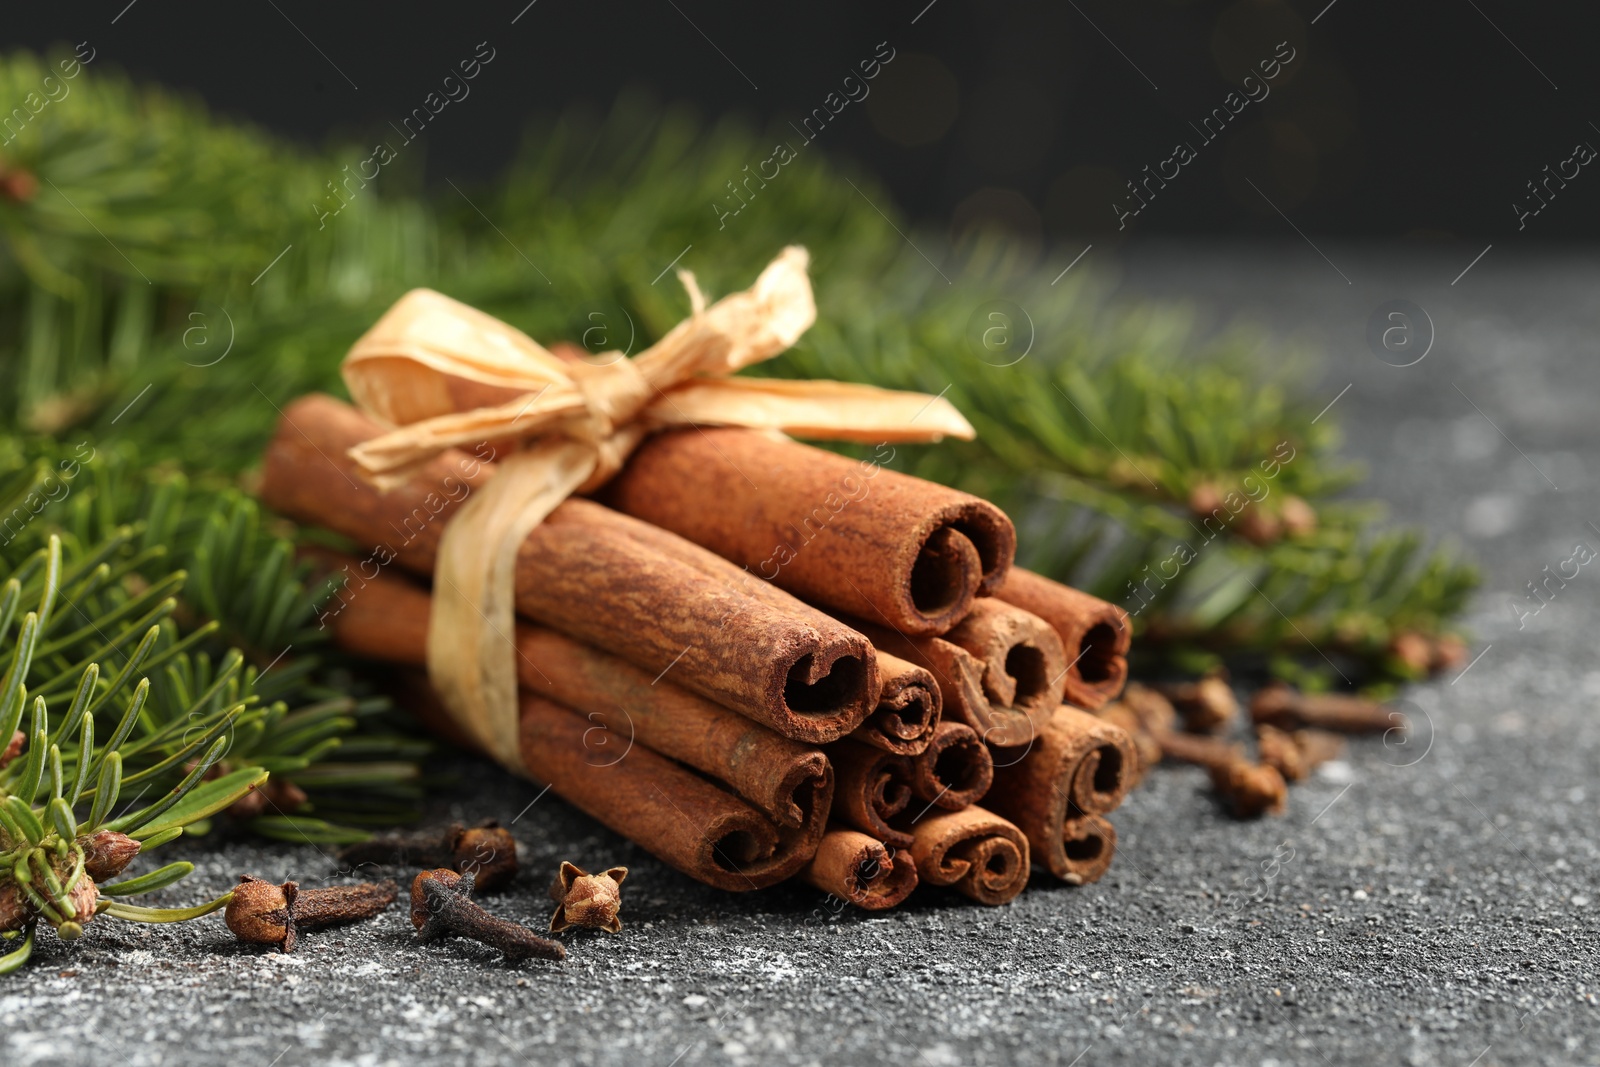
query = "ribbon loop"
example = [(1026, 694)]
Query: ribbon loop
[(445, 375)]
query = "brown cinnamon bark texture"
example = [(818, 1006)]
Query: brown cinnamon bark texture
[(974, 850), (1145, 744), (787, 780), (1089, 843), (1094, 633), (623, 585), (909, 708), (871, 788), (859, 869), (848, 534), (955, 770), (1001, 670), (684, 820), (1077, 767)]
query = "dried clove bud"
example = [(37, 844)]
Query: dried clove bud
[(1449, 652), (584, 899), (13, 749), (17, 185), (266, 914), (66, 911), (1413, 651), (1296, 754), (1206, 705), (486, 851), (15, 910), (278, 796), (441, 905), (1286, 708), (1250, 788), (107, 853)]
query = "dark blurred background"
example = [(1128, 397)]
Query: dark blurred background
[(1422, 121)]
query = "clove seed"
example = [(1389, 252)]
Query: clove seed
[(266, 914), (584, 899), (441, 906)]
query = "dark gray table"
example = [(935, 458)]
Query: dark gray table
[(1433, 910)]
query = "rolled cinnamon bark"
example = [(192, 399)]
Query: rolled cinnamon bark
[(623, 585), (1095, 634), (1089, 843), (387, 619), (956, 769), (682, 819), (978, 852), (846, 534), (1145, 744), (908, 710), (871, 787), (1077, 768), (857, 868), (1001, 669)]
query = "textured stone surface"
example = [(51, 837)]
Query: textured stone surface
[(1442, 912)]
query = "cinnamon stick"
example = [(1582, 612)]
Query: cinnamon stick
[(684, 820), (1145, 744), (909, 708), (955, 770), (639, 592), (850, 535), (786, 779), (859, 869), (1089, 843), (1001, 669), (871, 787), (1077, 768), (974, 850), (1095, 634), (1286, 708)]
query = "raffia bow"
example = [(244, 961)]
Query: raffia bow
[(447, 375)]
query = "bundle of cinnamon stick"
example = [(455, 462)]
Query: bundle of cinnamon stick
[(760, 660)]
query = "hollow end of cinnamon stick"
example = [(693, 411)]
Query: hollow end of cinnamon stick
[(976, 851), (1078, 761), (909, 708), (1088, 845), (955, 770), (856, 868), (1000, 670), (848, 534), (1095, 634), (871, 787), (689, 822)]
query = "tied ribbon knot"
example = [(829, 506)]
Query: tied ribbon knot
[(446, 375)]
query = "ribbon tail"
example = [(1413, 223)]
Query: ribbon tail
[(472, 654), (834, 411)]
